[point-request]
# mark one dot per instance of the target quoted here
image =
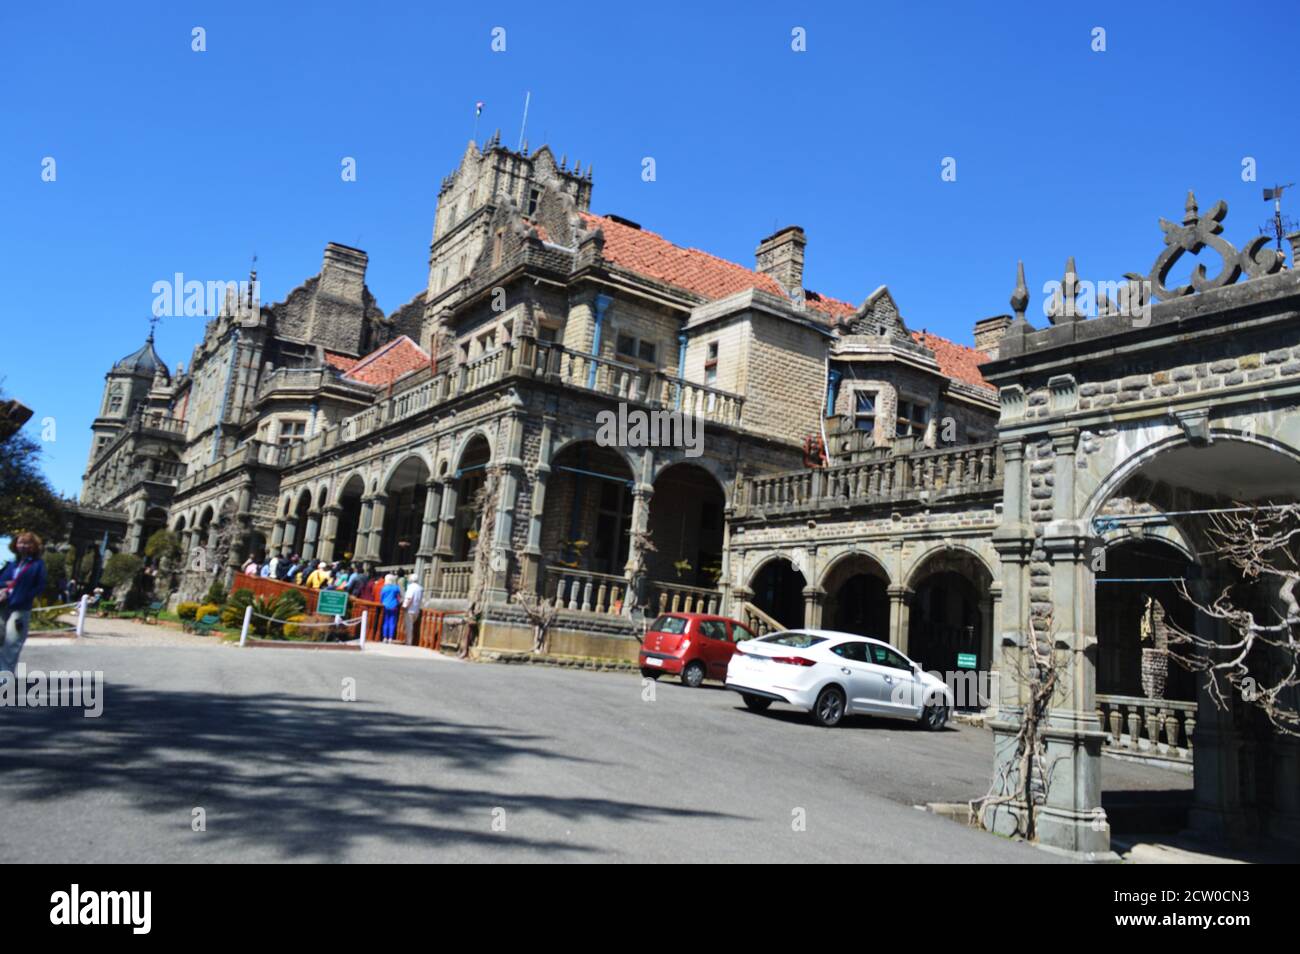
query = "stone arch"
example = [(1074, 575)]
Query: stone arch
[(949, 609), (405, 490), (400, 459), (686, 522), (776, 588), (855, 587), (458, 451), (587, 517), (568, 443), (345, 483), (721, 475), (351, 490)]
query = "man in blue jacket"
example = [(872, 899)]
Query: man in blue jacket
[(21, 581)]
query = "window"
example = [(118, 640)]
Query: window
[(854, 651), (630, 346), (711, 365), (864, 410), (794, 640), (498, 242), (912, 418), (673, 625), (714, 629), (884, 656), (534, 200), (547, 333), (292, 432), (115, 399)]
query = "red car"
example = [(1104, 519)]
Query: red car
[(695, 646)]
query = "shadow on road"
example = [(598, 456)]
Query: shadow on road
[(308, 777)]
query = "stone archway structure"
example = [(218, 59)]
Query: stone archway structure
[(1184, 397)]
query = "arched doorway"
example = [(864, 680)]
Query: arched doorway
[(588, 518), (686, 529), (950, 623), (471, 476), (856, 597), (404, 514), (778, 591), (1136, 570), (349, 517)]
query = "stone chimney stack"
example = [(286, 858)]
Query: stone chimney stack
[(343, 274), (781, 256), (989, 333)]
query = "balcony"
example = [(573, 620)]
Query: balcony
[(927, 475), (529, 358), (250, 454)]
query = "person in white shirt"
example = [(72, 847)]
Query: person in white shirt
[(411, 603)]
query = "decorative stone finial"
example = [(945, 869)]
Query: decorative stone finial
[(1020, 297), (1190, 216)]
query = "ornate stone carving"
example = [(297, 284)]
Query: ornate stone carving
[(1197, 232)]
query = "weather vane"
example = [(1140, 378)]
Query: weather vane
[(1279, 225)]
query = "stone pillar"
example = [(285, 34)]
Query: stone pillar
[(277, 533), (329, 533), (724, 573), (503, 524), (378, 510), (428, 530), (643, 491), (530, 563), (445, 551), (813, 595), (309, 538), (991, 624), (243, 531), (135, 536), (900, 615), (361, 549)]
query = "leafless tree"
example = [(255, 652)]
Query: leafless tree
[(1021, 782), (1260, 658), (485, 505), (541, 613)]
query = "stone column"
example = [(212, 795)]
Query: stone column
[(991, 624), (531, 560), (900, 615), (378, 510), (813, 595), (361, 548), (503, 524), (445, 551), (428, 530), (135, 536), (277, 533), (724, 573), (637, 591), (329, 532), (309, 538), (242, 539)]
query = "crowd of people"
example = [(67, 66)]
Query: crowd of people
[(401, 598)]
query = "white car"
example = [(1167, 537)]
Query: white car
[(831, 675)]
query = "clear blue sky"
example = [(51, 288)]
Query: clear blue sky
[(170, 160)]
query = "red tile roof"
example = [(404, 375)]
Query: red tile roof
[(652, 255), (388, 363), (955, 360), (341, 361)]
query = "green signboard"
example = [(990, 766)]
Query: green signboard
[(332, 603), (965, 660)]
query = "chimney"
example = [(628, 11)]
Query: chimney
[(989, 333), (343, 274), (781, 256)]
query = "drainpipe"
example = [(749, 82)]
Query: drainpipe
[(225, 397), (681, 364), (602, 303), (311, 426), (832, 381)]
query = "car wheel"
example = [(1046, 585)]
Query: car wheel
[(693, 675), (935, 717), (828, 710), (652, 673), (756, 703)]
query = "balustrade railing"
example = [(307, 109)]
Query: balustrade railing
[(673, 598), (584, 591), (456, 579), (1148, 727), (974, 468)]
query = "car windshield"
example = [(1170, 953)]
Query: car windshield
[(674, 625), (793, 640)]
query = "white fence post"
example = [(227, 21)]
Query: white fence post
[(81, 616), (248, 618), (363, 630)]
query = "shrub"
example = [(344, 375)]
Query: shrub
[(188, 611), (269, 612), (293, 632), (232, 614), (207, 609), (216, 593), (120, 569)]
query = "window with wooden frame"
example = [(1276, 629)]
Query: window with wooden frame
[(630, 346), (864, 411), (292, 431), (711, 365), (912, 418)]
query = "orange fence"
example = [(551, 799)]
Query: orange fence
[(428, 636)]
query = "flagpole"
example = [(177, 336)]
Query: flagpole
[(478, 111), (524, 125)]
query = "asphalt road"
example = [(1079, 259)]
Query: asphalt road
[(438, 760)]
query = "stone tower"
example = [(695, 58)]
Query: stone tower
[(126, 389)]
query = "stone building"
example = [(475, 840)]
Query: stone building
[(854, 472)]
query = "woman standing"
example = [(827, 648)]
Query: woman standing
[(390, 597), (21, 581)]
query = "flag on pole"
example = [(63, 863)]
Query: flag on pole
[(478, 109)]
